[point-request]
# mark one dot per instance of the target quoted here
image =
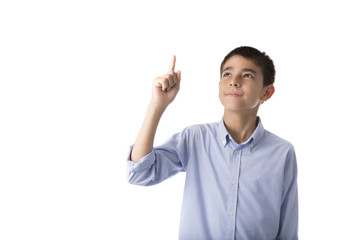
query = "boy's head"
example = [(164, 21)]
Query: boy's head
[(261, 59), (247, 77)]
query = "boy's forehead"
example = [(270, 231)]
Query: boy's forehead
[(238, 60)]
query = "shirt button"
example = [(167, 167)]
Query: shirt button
[(237, 151), (233, 182), (252, 145), (224, 142), (231, 214)]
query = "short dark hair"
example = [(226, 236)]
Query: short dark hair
[(261, 59)]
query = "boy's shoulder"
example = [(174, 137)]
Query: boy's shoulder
[(202, 130), (203, 127), (275, 141)]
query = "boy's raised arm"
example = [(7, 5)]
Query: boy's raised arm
[(164, 91)]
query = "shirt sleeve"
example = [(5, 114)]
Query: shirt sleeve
[(289, 209), (161, 163)]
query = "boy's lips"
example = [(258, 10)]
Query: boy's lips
[(233, 94)]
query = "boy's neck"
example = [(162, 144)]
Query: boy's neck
[(240, 125)]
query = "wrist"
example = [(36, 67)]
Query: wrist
[(156, 108)]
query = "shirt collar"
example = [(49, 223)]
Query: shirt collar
[(254, 138)]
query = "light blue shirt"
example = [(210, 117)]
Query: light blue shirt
[(232, 191)]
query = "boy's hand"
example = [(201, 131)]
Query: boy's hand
[(166, 87)]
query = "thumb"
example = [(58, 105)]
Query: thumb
[(178, 75)]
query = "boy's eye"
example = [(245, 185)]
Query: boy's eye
[(248, 75), (226, 75)]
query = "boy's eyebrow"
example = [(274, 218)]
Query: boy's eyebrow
[(249, 70), (227, 69), (245, 69)]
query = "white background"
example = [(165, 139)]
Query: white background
[(75, 80)]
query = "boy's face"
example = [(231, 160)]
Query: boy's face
[(241, 85)]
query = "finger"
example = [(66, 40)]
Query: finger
[(161, 82), (172, 64), (171, 80), (165, 84)]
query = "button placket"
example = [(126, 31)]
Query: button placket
[(232, 203)]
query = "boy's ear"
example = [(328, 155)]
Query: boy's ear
[(269, 91)]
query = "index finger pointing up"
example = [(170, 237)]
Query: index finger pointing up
[(172, 64)]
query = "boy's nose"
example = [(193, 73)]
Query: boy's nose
[(234, 84)]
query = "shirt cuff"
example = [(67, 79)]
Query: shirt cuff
[(143, 164)]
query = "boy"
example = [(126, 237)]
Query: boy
[(241, 180)]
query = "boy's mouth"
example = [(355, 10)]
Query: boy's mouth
[(233, 94)]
